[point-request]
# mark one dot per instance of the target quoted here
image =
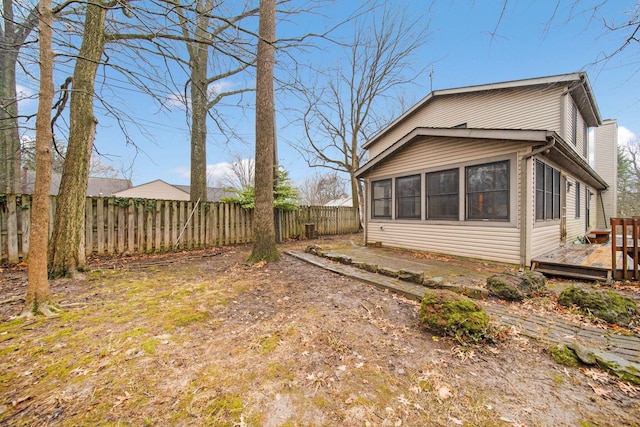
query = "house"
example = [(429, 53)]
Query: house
[(96, 186), (340, 203), (497, 171), (161, 190)]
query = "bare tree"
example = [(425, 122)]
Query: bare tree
[(629, 179), (241, 175), (13, 34), (343, 111), (203, 32), (264, 236), (319, 189), (38, 298), (66, 248)]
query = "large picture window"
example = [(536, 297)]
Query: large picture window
[(488, 191), (381, 195), (408, 195), (442, 194), (547, 192)]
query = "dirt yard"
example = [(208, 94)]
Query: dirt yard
[(202, 339)]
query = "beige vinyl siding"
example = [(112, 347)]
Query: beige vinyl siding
[(524, 108), (154, 190), (575, 226), (568, 134), (606, 164), (497, 240), (545, 238), (488, 243)]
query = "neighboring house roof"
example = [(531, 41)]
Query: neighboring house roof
[(561, 152), (96, 186), (343, 202), (162, 190), (579, 87)]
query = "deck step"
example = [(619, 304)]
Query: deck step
[(573, 271)]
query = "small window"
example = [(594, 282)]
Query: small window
[(408, 195), (574, 124), (488, 191), (547, 192), (578, 193), (442, 194), (381, 194)]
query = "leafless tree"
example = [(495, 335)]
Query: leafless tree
[(345, 108), (240, 176), (319, 189), (629, 179), (38, 298), (264, 236)]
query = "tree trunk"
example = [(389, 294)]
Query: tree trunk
[(12, 37), (38, 298), (198, 63), (67, 253), (264, 239)]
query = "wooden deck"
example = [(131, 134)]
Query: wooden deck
[(579, 261)]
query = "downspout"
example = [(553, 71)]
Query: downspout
[(524, 204)]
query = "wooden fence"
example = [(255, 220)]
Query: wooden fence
[(118, 225)]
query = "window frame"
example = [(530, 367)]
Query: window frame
[(490, 192), (429, 196), (578, 201), (416, 197), (388, 199), (550, 177)]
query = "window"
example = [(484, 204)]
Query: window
[(488, 191), (578, 199), (442, 194), (408, 195), (547, 192), (574, 124), (381, 194)]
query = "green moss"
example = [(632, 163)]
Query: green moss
[(606, 305), (452, 314), (269, 343), (564, 355), (149, 346), (181, 317)]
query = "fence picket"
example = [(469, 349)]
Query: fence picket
[(119, 225)]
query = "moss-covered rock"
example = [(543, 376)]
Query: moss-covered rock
[(608, 305), (449, 313), (513, 286), (564, 355)]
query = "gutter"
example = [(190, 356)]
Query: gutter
[(525, 226)]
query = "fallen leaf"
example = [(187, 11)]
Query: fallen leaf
[(456, 421), (600, 391), (629, 389), (444, 392)]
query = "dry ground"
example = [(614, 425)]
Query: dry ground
[(202, 339)]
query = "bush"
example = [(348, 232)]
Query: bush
[(456, 315)]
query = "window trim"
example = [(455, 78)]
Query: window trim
[(397, 197), (507, 190), (555, 208), (428, 196), (578, 201), (389, 199)]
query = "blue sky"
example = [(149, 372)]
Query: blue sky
[(532, 39)]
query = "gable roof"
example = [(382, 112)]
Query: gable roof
[(162, 190), (577, 84), (96, 186)]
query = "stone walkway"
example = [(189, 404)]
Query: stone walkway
[(453, 273)]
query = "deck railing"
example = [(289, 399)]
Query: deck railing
[(625, 238)]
